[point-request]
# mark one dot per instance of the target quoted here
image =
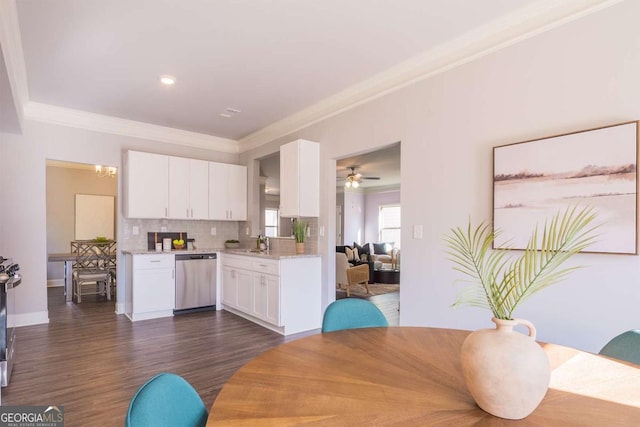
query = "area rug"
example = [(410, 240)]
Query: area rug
[(359, 291)]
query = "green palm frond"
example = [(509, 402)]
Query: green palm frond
[(501, 283)]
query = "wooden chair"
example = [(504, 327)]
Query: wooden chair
[(347, 275), (91, 268)]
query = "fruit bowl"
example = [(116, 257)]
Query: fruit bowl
[(178, 246)]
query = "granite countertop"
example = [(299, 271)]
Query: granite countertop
[(243, 252)]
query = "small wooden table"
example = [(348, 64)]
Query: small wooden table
[(411, 376)]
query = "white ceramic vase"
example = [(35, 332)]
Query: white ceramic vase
[(506, 371)]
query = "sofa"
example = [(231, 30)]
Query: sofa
[(376, 253), (355, 258)]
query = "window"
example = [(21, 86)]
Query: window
[(271, 222), (389, 224)]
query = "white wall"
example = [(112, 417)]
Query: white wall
[(579, 76), (372, 203)]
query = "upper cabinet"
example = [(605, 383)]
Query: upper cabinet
[(147, 185), (227, 192), (188, 188), (159, 186), (300, 179)]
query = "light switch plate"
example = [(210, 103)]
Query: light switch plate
[(417, 231), (135, 230), (213, 231)]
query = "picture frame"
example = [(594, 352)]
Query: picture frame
[(534, 179)]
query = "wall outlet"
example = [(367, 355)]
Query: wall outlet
[(213, 231), (247, 231), (135, 230), (321, 231), (163, 229)]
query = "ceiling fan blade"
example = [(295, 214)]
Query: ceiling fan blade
[(370, 177)]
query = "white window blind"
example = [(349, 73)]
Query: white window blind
[(271, 219), (389, 224)]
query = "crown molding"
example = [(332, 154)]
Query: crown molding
[(11, 49), (96, 122), (520, 25)]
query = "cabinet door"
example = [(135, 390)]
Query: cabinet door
[(245, 291), (300, 179), (289, 180), (266, 298), (229, 287), (272, 302), (218, 191), (153, 290), (198, 189), (178, 188), (147, 185), (237, 196)]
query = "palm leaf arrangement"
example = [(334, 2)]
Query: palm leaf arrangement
[(501, 283)]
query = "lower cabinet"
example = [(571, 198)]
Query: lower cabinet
[(150, 286), (282, 295)]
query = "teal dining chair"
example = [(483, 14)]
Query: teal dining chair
[(625, 346), (166, 400), (352, 313)]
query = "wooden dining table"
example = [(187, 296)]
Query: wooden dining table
[(411, 376)]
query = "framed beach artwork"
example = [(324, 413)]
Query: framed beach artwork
[(533, 180)]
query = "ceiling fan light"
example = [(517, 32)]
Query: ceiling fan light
[(347, 184), (355, 184)]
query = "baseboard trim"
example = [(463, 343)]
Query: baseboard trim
[(55, 283), (119, 308), (28, 319)]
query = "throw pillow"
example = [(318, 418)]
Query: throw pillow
[(380, 248), (356, 256), (349, 252), (362, 250)]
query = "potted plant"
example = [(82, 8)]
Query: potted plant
[(501, 359), (232, 244), (299, 233)]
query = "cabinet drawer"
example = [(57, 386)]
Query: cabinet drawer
[(266, 266), (145, 262), (236, 261)]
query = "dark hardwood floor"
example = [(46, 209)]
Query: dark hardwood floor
[(91, 361)]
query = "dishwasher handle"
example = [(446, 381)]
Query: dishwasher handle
[(187, 257)]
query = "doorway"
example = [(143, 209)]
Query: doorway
[(72, 191), (367, 197)]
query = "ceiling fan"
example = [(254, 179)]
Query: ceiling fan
[(354, 179)]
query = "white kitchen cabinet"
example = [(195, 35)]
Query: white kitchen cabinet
[(266, 298), (150, 286), (146, 185), (227, 192), (283, 295), (188, 188), (300, 179)]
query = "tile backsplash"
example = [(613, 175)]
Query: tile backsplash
[(201, 232), (198, 230)]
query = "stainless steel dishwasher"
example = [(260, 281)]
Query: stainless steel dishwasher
[(195, 282)]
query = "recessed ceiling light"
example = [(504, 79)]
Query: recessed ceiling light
[(167, 80), (225, 115), (233, 110)]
